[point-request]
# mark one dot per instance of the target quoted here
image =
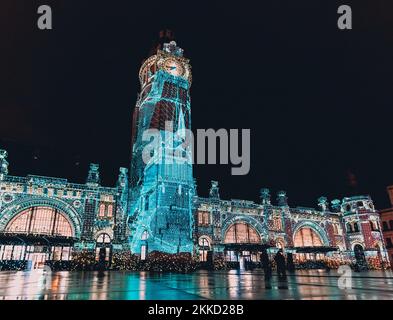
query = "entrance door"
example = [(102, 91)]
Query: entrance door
[(36, 256), (360, 258), (38, 260), (242, 264), (244, 260), (102, 255)]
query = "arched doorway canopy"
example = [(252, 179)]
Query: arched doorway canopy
[(13, 209), (41, 220), (307, 237)]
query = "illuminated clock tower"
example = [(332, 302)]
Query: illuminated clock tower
[(162, 188)]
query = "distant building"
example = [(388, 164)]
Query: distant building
[(155, 207), (387, 224)]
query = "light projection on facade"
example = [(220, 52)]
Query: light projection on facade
[(162, 189), (154, 205)]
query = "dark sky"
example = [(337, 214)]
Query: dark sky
[(318, 100)]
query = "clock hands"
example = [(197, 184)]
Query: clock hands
[(172, 67)]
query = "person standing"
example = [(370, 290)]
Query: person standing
[(267, 268), (280, 263)]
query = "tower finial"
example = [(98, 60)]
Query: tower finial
[(93, 177), (165, 36)]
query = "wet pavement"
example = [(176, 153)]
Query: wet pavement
[(116, 285)]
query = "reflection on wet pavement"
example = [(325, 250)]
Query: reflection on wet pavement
[(199, 285)]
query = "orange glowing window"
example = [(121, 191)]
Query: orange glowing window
[(242, 233), (307, 237), (110, 211), (102, 210)]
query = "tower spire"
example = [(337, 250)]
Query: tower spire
[(164, 36)]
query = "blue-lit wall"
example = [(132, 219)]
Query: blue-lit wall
[(162, 190)]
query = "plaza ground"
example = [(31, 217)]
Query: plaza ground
[(312, 284)]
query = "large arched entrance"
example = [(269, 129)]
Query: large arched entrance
[(35, 235), (41, 220), (307, 237), (204, 244), (243, 245), (241, 232)]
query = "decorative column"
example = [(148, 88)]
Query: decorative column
[(3, 164), (214, 190), (91, 203), (336, 205), (264, 195), (120, 228), (323, 204), (214, 197), (93, 177)]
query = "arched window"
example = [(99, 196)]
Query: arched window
[(102, 210), (204, 248), (241, 232), (349, 227), (103, 238), (41, 220), (145, 235), (203, 218), (355, 227), (307, 237), (280, 243)]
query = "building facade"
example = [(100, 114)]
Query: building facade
[(347, 231), (43, 218), (154, 207)]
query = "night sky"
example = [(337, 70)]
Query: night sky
[(318, 100)]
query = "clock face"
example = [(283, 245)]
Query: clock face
[(173, 67)]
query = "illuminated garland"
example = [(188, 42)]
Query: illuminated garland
[(219, 262), (155, 261), (165, 262), (124, 260), (83, 260)]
